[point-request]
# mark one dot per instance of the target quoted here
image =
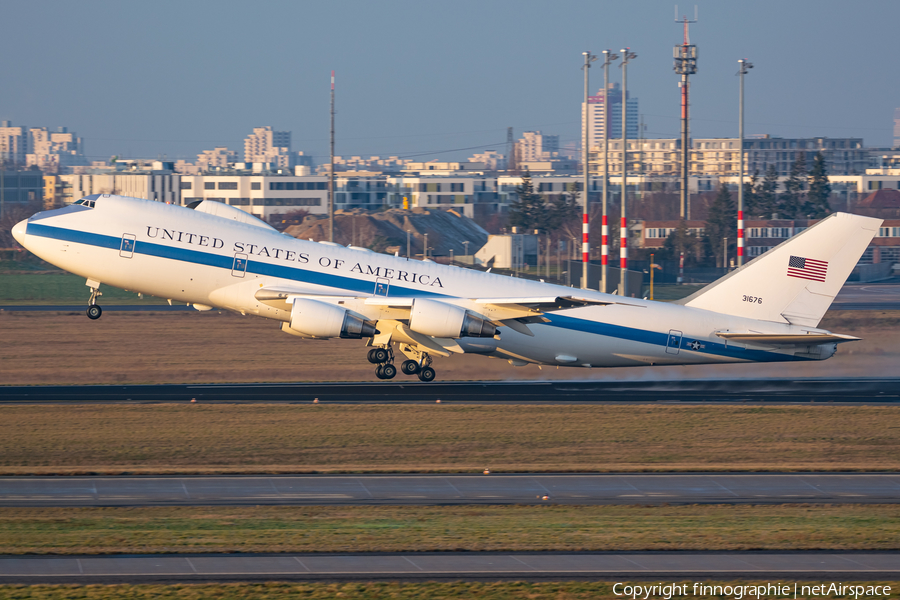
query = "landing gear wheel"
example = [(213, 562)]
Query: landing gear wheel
[(93, 312), (378, 372), (388, 371), (409, 367), (380, 355), (427, 374), (371, 356)]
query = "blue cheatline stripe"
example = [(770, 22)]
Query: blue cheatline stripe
[(366, 287), (662, 339), (221, 261)]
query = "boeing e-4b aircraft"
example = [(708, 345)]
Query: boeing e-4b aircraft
[(210, 255)]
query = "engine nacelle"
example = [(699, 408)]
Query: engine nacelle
[(323, 320), (442, 320)]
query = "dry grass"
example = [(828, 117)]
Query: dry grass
[(63, 348), (447, 528), (500, 590), (194, 438)]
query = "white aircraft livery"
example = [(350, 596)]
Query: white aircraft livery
[(209, 254)]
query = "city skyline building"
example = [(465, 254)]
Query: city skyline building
[(595, 122), (721, 156), (13, 144), (265, 145), (54, 152), (535, 146)]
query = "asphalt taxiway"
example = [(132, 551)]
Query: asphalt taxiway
[(836, 566), (453, 489), (846, 390)]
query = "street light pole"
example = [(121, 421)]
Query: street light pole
[(585, 148), (608, 57), (744, 66), (627, 56)]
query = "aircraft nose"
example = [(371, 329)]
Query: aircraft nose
[(18, 231)]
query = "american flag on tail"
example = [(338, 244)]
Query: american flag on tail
[(807, 268)]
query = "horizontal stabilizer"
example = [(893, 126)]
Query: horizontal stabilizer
[(788, 339)]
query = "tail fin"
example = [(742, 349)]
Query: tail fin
[(796, 281)]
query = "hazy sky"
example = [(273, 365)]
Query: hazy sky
[(423, 78)]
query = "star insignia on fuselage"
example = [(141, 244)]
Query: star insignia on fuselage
[(695, 345)]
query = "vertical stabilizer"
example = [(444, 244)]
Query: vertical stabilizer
[(796, 281)]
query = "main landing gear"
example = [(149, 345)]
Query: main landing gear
[(384, 358), (93, 310)]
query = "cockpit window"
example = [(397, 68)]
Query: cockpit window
[(88, 200)]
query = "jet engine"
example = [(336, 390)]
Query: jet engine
[(442, 320), (319, 319)]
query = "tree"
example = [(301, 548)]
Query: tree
[(683, 240), (791, 202), (767, 194), (529, 211), (722, 221), (816, 205), (750, 201), (563, 208)]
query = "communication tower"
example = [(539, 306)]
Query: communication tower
[(685, 65)]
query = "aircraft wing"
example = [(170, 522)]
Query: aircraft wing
[(535, 305), (527, 306), (515, 313)]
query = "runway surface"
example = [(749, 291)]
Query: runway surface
[(583, 488), (868, 296), (80, 308), (847, 390), (836, 566)]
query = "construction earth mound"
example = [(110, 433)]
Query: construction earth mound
[(385, 231)]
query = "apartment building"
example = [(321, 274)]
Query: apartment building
[(535, 146), (259, 195), (14, 146), (763, 235), (721, 156), (161, 185), (55, 152), (267, 146), (18, 188)]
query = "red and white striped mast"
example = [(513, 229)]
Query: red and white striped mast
[(585, 158), (608, 57)]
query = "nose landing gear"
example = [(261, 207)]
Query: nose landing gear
[(93, 310)]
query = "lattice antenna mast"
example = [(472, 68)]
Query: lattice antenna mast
[(685, 65)]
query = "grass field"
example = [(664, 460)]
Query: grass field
[(63, 348), (59, 288), (61, 531), (501, 590), (196, 438)]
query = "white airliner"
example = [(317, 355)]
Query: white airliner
[(210, 255)]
